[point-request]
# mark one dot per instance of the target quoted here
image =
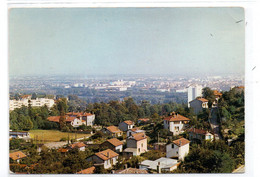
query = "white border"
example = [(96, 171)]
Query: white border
[(252, 15)]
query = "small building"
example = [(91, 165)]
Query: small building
[(131, 171), (200, 134), (17, 156), (126, 125), (218, 95), (73, 121), (199, 104), (20, 135), (106, 158), (176, 123), (160, 165), (133, 131), (137, 142), (80, 146), (113, 144), (143, 120), (178, 149), (113, 131), (89, 170), (87, 117)]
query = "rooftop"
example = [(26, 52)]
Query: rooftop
[(162, 162), (17, 155), (198, 131), (128, 122), (87, 171), (106, 154), (138, 136), (181, 142), (77, 145), (176, 117), (115, 142), (113, 129), (131, 171)]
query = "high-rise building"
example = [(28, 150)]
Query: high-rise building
[(194, 92)]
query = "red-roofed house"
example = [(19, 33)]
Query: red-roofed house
[(176, 123), (113, 131), (126, 125), (80, 146), (17, 156), (113, 144), (88, 117), (73, 121), (137, 143), (199, 104), (200, 134), (178, 149), (106, 158)]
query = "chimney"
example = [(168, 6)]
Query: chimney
[(107, 154), (180, 143), (158, 168)]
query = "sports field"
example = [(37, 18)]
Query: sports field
[(54, 135)]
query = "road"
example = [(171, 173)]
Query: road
[(214, 123)]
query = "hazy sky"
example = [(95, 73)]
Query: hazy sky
[(126, 41)]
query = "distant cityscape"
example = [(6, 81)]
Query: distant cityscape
[(156, 89)]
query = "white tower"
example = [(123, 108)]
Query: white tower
[(194, 92)]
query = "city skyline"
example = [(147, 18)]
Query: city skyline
[(108, 41)]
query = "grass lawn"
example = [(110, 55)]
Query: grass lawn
[(54, 135)]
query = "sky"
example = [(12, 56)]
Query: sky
[(103, 41)]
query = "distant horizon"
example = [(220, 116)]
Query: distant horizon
[(129, 41)]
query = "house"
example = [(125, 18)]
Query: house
[(159, 165), (131, 171), (106, 158), (75, 121), (136, 144), (199, 104), (113, 144), (218, 95), (143, 120), (126, 125), (200, 134), (89, 170), (70, 120), (80, 146), (133, 131), (178, 149), (88, 117), (113, 131), (20, 135), (17, 156), (176, 123)]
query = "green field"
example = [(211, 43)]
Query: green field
[(54, 135)]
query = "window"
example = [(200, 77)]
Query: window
[(142, 145), (176, 152), (172, 146), (138, 149)]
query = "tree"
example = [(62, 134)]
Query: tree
[(209, 95)]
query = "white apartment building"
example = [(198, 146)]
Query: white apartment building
[(34, 103), (194, 92)]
